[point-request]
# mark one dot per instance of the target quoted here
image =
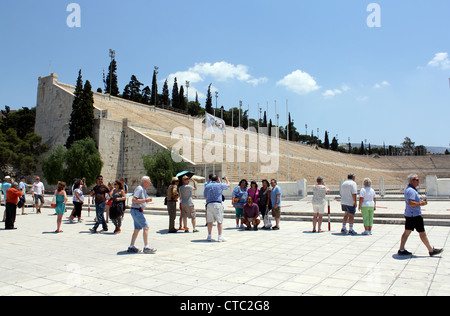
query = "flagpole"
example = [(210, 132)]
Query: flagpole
[(239, 145), (257, 153), (267, 124), (278, 131), (232, 160), (287, 138), (248, 132)]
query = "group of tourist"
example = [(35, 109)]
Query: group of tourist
[(249, 204), (15, 198)]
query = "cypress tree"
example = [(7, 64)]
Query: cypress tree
[(165, 94), (154, 98), (326, 142), (182, 103), (112, 82), (74, 121), (175, 96), (208, 106)]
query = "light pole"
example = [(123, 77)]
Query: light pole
[(156, 92), (187, 93), (217, 95)]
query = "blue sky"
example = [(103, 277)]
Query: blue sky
[(337, 73)]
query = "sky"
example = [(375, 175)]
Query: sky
[(365, 70)]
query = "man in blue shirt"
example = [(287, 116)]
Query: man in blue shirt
[(413, 217), (275, 198), (213, 193)]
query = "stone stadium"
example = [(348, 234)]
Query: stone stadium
[(125, 130)]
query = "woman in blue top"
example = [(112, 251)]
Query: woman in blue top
[(240, 196), (61, 200), (413, 217)]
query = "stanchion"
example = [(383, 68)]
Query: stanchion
[(329, 216), (89, 206)]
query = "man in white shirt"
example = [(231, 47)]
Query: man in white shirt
[(348, 203), (38, 194)]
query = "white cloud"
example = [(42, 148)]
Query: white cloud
[(299, 82), (440, 60), (220, 71), (333, 92), (381, 85)]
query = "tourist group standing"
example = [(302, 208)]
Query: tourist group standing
[(252, 206)]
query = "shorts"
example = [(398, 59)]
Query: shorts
[(416, 223), (37, 198), (188, 211), (139, 220), (276, 212), (239, 212), (319, 208), (214, 213), (349, 209)]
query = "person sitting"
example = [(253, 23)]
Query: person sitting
[(251, 214)]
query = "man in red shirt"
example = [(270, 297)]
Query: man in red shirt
[(12, 198)]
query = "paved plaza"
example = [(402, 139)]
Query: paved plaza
[(289, 262)]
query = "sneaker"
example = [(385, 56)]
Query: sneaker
[(133, 249), (149, 250), (365, 233), (344, 230), (352, 232), (404, 253), (221, 239), (92, 230), (209, 238), (435, 252)]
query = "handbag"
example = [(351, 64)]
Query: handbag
[(53, 204)]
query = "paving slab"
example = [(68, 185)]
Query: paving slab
[(289, 262)]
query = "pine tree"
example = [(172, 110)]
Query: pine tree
[(113, 83), (146, 95), (208, 106), (132, 90), (175, 96), (334, 144)]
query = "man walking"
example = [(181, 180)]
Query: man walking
[(413, 217), (139, 202), (348, 203), (99, 193), (38, 194), (213, 193)]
